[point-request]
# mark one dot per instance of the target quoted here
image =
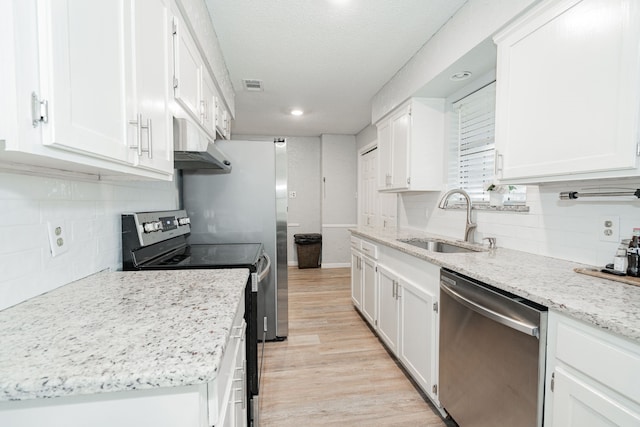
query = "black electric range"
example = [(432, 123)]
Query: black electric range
[(158, 241)]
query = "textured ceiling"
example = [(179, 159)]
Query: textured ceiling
[(326, 57)]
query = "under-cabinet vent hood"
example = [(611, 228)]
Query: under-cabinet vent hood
[(193, 149)]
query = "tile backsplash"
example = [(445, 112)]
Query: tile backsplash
[(90, 214), (569, 230)]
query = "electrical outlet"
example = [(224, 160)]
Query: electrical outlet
[(293, 194), (57, 238), (609, 228)]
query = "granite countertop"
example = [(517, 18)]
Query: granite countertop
[(119, 331), (610, 305)]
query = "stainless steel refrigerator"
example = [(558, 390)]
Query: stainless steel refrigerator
[(247, 205)]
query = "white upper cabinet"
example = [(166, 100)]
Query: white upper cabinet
[(411, 141), (568, 92), (194, 87), (87, 88), (152, 85), (187, 70)]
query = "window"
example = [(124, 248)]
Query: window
[(472, 146)]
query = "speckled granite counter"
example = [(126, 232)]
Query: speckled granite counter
[(119, 331), (548, 281)]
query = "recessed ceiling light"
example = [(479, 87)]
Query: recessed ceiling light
[(460, 75), (297, 112)]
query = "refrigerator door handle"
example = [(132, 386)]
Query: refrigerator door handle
[(266, 269)]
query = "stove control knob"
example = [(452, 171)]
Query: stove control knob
[(157, 226), (184, 221), (149, 227)]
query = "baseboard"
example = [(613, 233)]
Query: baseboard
[(324, 265), (336, 265)]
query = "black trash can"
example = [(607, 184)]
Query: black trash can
[(309, 248)]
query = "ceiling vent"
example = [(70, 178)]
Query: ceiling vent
[(252, 85)]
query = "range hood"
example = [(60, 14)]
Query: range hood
[(193, 149)]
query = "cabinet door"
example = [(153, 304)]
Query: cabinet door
[(207, 104), (369, 290), (85, 76), (400, 137), (151, 55), (187, 70), (356, 279), (384, 155), (418, 335), (388, 308), (578, 404), (568, 91)]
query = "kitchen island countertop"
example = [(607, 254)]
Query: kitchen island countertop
[(119, 331), (552, 282)]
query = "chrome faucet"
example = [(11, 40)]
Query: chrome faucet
[(470, 226)]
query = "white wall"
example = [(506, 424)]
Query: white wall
[(366, 136), (476, 21), (567, 230), (338, 197), (303, 161), (90, 212)]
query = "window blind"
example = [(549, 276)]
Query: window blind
[(472, 148)]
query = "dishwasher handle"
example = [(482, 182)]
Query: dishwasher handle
[(527, 328)]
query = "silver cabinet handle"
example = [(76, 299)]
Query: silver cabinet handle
[(149, 138), (138, 124)]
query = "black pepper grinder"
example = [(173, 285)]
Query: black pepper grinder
[(633, 254)]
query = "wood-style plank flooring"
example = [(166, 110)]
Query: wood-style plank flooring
[(332, 369)]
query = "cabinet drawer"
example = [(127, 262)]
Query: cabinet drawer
[(369, 249), (606, 358), (355, 243)]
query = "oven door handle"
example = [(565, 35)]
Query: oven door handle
[(506, 320), (266, 269)]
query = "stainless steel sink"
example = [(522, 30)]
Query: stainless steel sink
[(436, 246)]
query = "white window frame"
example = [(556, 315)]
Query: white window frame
[(472, 157)]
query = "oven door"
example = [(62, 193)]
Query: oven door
[(254, 370)]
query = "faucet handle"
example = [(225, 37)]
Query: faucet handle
[(492, 242)]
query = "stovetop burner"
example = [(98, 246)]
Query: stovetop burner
[(226, 255)]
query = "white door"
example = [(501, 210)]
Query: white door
[(385, 154), (568, 90), (187, 70), (207, 104), (578, 404), (400, 135), (368, 194), (151, 55), (418, 346), (86, 92), (388, 308), (369, 290), (356, 279)]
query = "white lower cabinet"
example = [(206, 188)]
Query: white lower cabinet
[(418, 335), (356, 279), (592, 377), (388, 308), (364, 283), (400, 295), (369, 289), (221, 402)]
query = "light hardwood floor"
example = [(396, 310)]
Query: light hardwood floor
[(332, 369)]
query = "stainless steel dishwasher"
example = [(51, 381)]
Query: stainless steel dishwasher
[(492, 354)]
